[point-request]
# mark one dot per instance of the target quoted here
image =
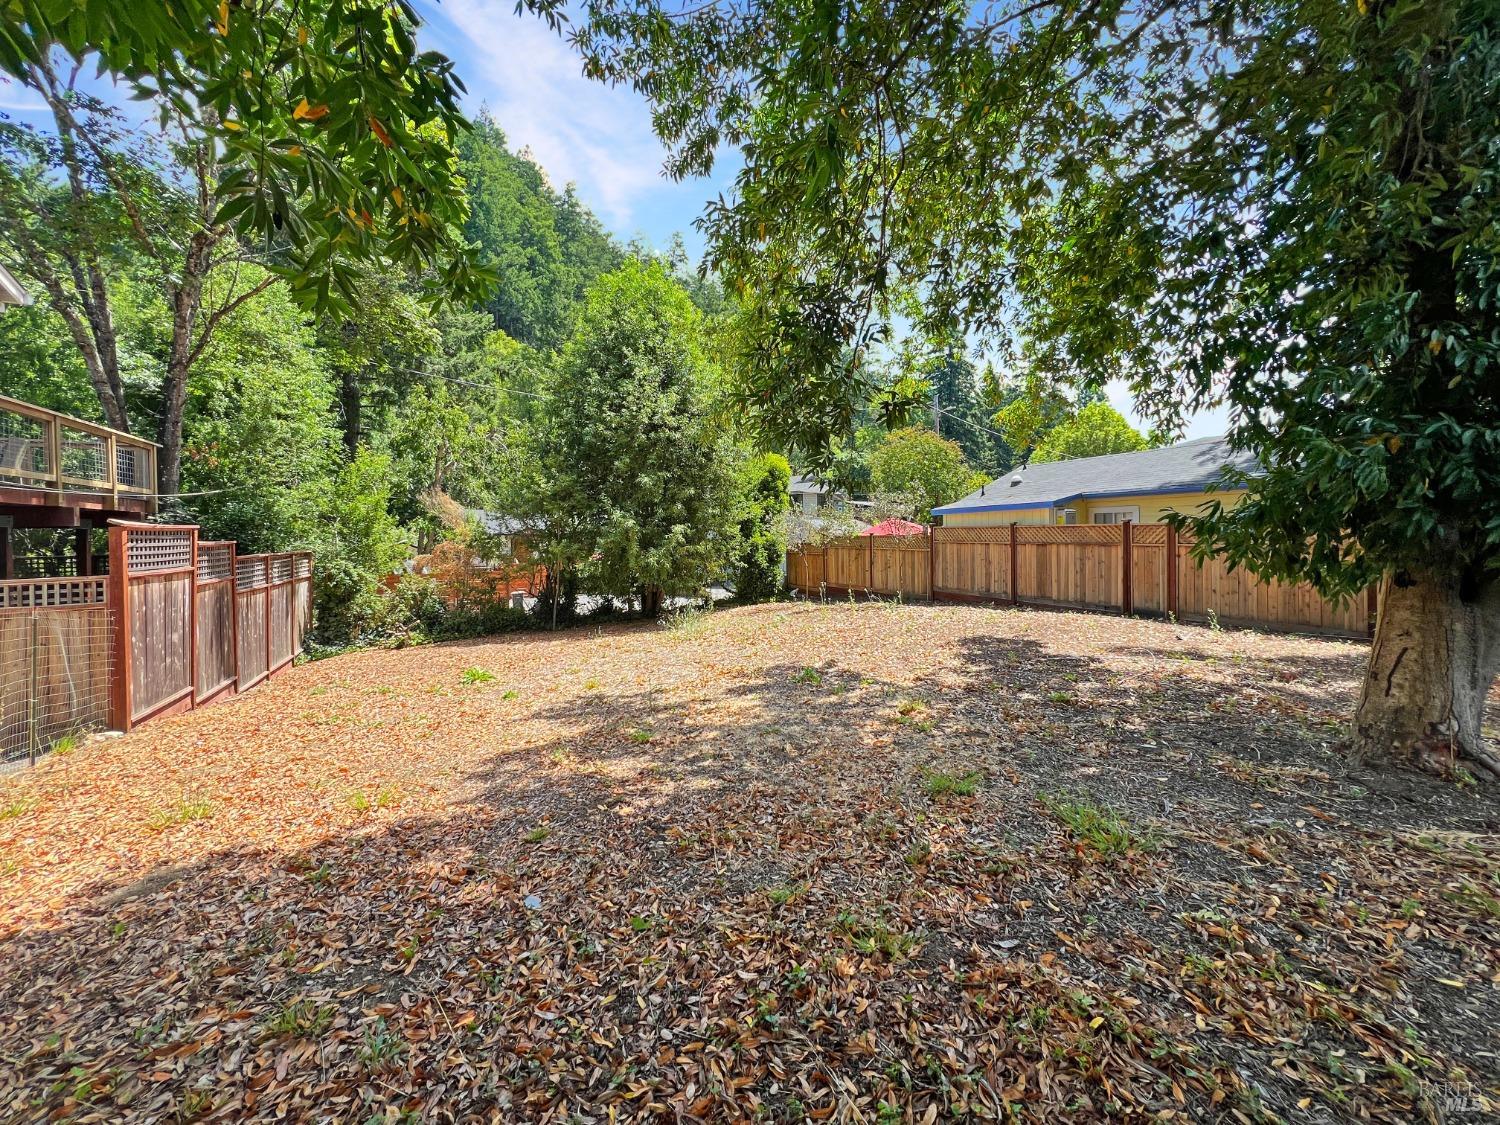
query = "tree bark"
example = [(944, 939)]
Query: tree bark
[(1435, 655)]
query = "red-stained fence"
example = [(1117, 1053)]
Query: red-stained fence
[(194, 622)]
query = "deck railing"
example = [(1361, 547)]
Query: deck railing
[(47, 451)]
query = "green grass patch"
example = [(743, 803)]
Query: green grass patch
[(360, 801), (183, 812), (940, 784), (477, 676), (875, 937), (19, 807), (301, 1018), (808, 676), (640, 735), (538, 834), (1099, 828)]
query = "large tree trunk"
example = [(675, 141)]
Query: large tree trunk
[(351, 410), (1435, 655)]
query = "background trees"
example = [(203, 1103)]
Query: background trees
[(925, 470), (1093, 431)]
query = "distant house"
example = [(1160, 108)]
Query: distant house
[(1140, 487), (812, 497)]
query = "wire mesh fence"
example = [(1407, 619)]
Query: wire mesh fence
[(55, 662)]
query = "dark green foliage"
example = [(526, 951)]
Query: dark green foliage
[(636, 483), (545, 248), (762, 544), (1290, 207)]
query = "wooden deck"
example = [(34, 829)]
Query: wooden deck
[(55, 468), (57, 471)]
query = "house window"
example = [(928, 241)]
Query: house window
[(1115, 515)]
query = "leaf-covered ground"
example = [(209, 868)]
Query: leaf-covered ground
[(792, 862)]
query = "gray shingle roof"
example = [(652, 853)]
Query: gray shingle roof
[(1190, 466)]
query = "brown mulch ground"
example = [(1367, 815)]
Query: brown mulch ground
[(791, 862)]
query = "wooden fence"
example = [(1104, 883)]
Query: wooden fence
[(195, 623), (1121, 568)]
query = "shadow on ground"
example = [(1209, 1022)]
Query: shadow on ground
[(1074, 881)]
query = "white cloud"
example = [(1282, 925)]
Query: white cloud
[(578, 130), (16, 98)]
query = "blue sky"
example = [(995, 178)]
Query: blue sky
[(578, 130)]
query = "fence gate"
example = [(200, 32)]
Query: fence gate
[(55, 656)]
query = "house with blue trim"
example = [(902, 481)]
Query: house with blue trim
[(1141, 487)]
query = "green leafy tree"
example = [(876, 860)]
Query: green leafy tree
[(1095, 430), (963, 415), (638, 480), (331, 133), (358, 545), (1290, 207), (927, 469), (262, 448), (764, 499)]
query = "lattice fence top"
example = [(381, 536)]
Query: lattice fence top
[(281, 568), (302, 565), (943, 535), (249, 572), (215, 561), (895, 542), (1086, 534), (155, 549), (1149, 535), (52, 592)]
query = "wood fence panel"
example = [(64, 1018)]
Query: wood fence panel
[(901, 566), (848, 566), (281, 625), (160, 611), (254, 643), (972, 561), (1073, 566), (215, 623), (216, 646)]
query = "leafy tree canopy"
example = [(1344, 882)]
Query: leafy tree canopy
[(926, 469), (638, 478), (1095, 430), (334, 130)]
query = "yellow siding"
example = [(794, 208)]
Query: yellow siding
[(1152, 507)]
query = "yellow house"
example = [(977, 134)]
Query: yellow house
[(1140, 487)]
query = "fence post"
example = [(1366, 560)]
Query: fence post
[(870, 585), (823, 582), (932, 564), (1126, 574), (270, 570), (1015, 592), (1171, 606), (118, 598)]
